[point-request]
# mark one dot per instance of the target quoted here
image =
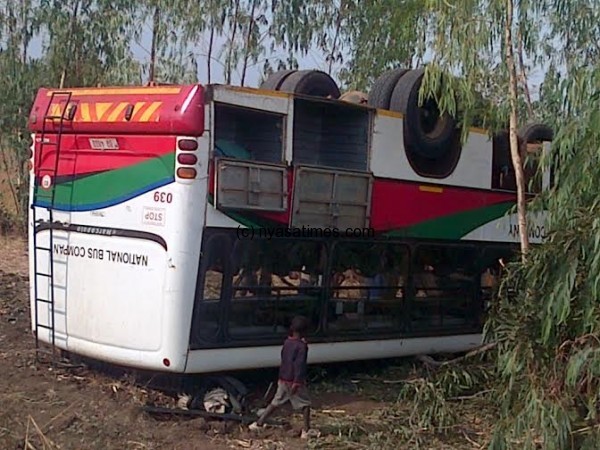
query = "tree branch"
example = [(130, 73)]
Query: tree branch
[(432, 363), (523, 75)]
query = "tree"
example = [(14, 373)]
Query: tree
[(380, 35), (203, 15), (295, 27), (515, 150), (169, 59), (19, 22), (473, 46), (88, 42), (544, 323), (253, 48), (549, 354)]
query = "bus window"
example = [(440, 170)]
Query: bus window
[(214, 264), (444, 282), (367, 287), (273, 281), (249, 134)]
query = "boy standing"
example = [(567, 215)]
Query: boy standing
[(291, 385)]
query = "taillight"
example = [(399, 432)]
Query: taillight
[(188, 144), (186, 173), (187, 158)]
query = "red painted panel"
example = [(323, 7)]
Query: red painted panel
[(78, 158), (156, 110), (398, 204)]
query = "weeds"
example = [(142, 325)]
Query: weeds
[(448, 407)]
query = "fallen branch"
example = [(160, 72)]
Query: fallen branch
[(26, 444), (47, 426), (471, 441), (586, 429), (432, 363), (208, 415), (469, 397), (44, 439), (413, 380)]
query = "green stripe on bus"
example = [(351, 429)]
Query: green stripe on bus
[(454, 226), (109, 186)]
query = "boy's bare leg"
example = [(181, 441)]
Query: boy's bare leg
[(266, 414), (306, 413)]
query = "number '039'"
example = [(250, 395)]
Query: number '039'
[(163, 197)]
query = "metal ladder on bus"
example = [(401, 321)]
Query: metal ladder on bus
[(37, 249)]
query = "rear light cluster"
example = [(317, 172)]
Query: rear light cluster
[(187, 160)]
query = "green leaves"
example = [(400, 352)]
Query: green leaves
[(555, 385)]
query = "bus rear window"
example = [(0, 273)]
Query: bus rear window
[(249, 134)]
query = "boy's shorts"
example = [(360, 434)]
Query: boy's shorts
[(299, 400)]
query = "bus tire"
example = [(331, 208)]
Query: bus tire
[(383, 87), (273, 81), (535, 132), (311, 82), (430, 140)]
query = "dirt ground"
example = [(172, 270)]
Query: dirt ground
[(41, 408)]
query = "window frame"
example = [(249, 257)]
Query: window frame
[(323, 332)]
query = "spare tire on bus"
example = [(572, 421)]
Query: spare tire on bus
[(311, 82), (428, 133), (383, 87), (273, 81)]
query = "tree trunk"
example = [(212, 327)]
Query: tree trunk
[(335, 37), (63, 75), (155, 24), (11, 24), (514, 142), (248, 37), (11, 184), (25, 32), (231, 44), (210, 49)]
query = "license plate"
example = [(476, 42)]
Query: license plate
[(104, 144)]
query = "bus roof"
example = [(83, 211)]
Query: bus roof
[(171, 109)]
